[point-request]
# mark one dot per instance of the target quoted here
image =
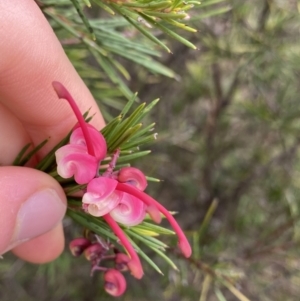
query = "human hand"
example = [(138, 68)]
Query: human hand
[(32, 204)]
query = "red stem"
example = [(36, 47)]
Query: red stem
[(183, 242), (136, 267), (62, 92), (112, 164)]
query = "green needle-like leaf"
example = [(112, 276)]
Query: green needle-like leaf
[(105, 7), (168, 31), (155, 228), (129, 105), (83, 17), (148, 108), (137, 142), (165, 257), (48, 160), (147, 241), (141, 28), (151, 5), (133, 156), (124, 137), (20, 155), (143, 255), (143, 131), (96, 225), (150, 179), (106, 131), (25, 159), (122, 127)]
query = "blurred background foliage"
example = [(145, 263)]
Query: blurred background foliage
[(227, 149)]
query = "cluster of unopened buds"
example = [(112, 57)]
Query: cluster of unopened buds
[(98, 252), (116, 196)]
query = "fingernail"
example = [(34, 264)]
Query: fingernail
[(40, 213)]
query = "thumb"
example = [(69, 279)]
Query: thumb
[(31, 204)]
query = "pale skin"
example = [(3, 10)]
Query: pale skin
[(31, 58)]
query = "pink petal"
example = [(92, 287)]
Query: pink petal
[(130, 211), (73, 160), (98, 206), (101, 196), (102, 186), (98, 141), (133, 176)]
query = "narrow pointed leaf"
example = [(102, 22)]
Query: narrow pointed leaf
[(84, 18), (20, 155), (24, 160), (166, 258)]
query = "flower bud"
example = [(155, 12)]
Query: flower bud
[(78, 245), (134, 177), (115, 283), (93, 252), (122, 262)]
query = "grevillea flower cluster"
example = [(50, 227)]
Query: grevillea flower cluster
[(96, 251), (118, 197)]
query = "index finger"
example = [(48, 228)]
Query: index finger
[(31, 58)]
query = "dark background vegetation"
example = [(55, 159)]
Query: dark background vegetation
[(227, 152)]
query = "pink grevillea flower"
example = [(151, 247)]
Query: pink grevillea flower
[(130, 211), (80, 158), (182, 240), (115, 283), (136, 178), (104, 194), (101, 196)]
